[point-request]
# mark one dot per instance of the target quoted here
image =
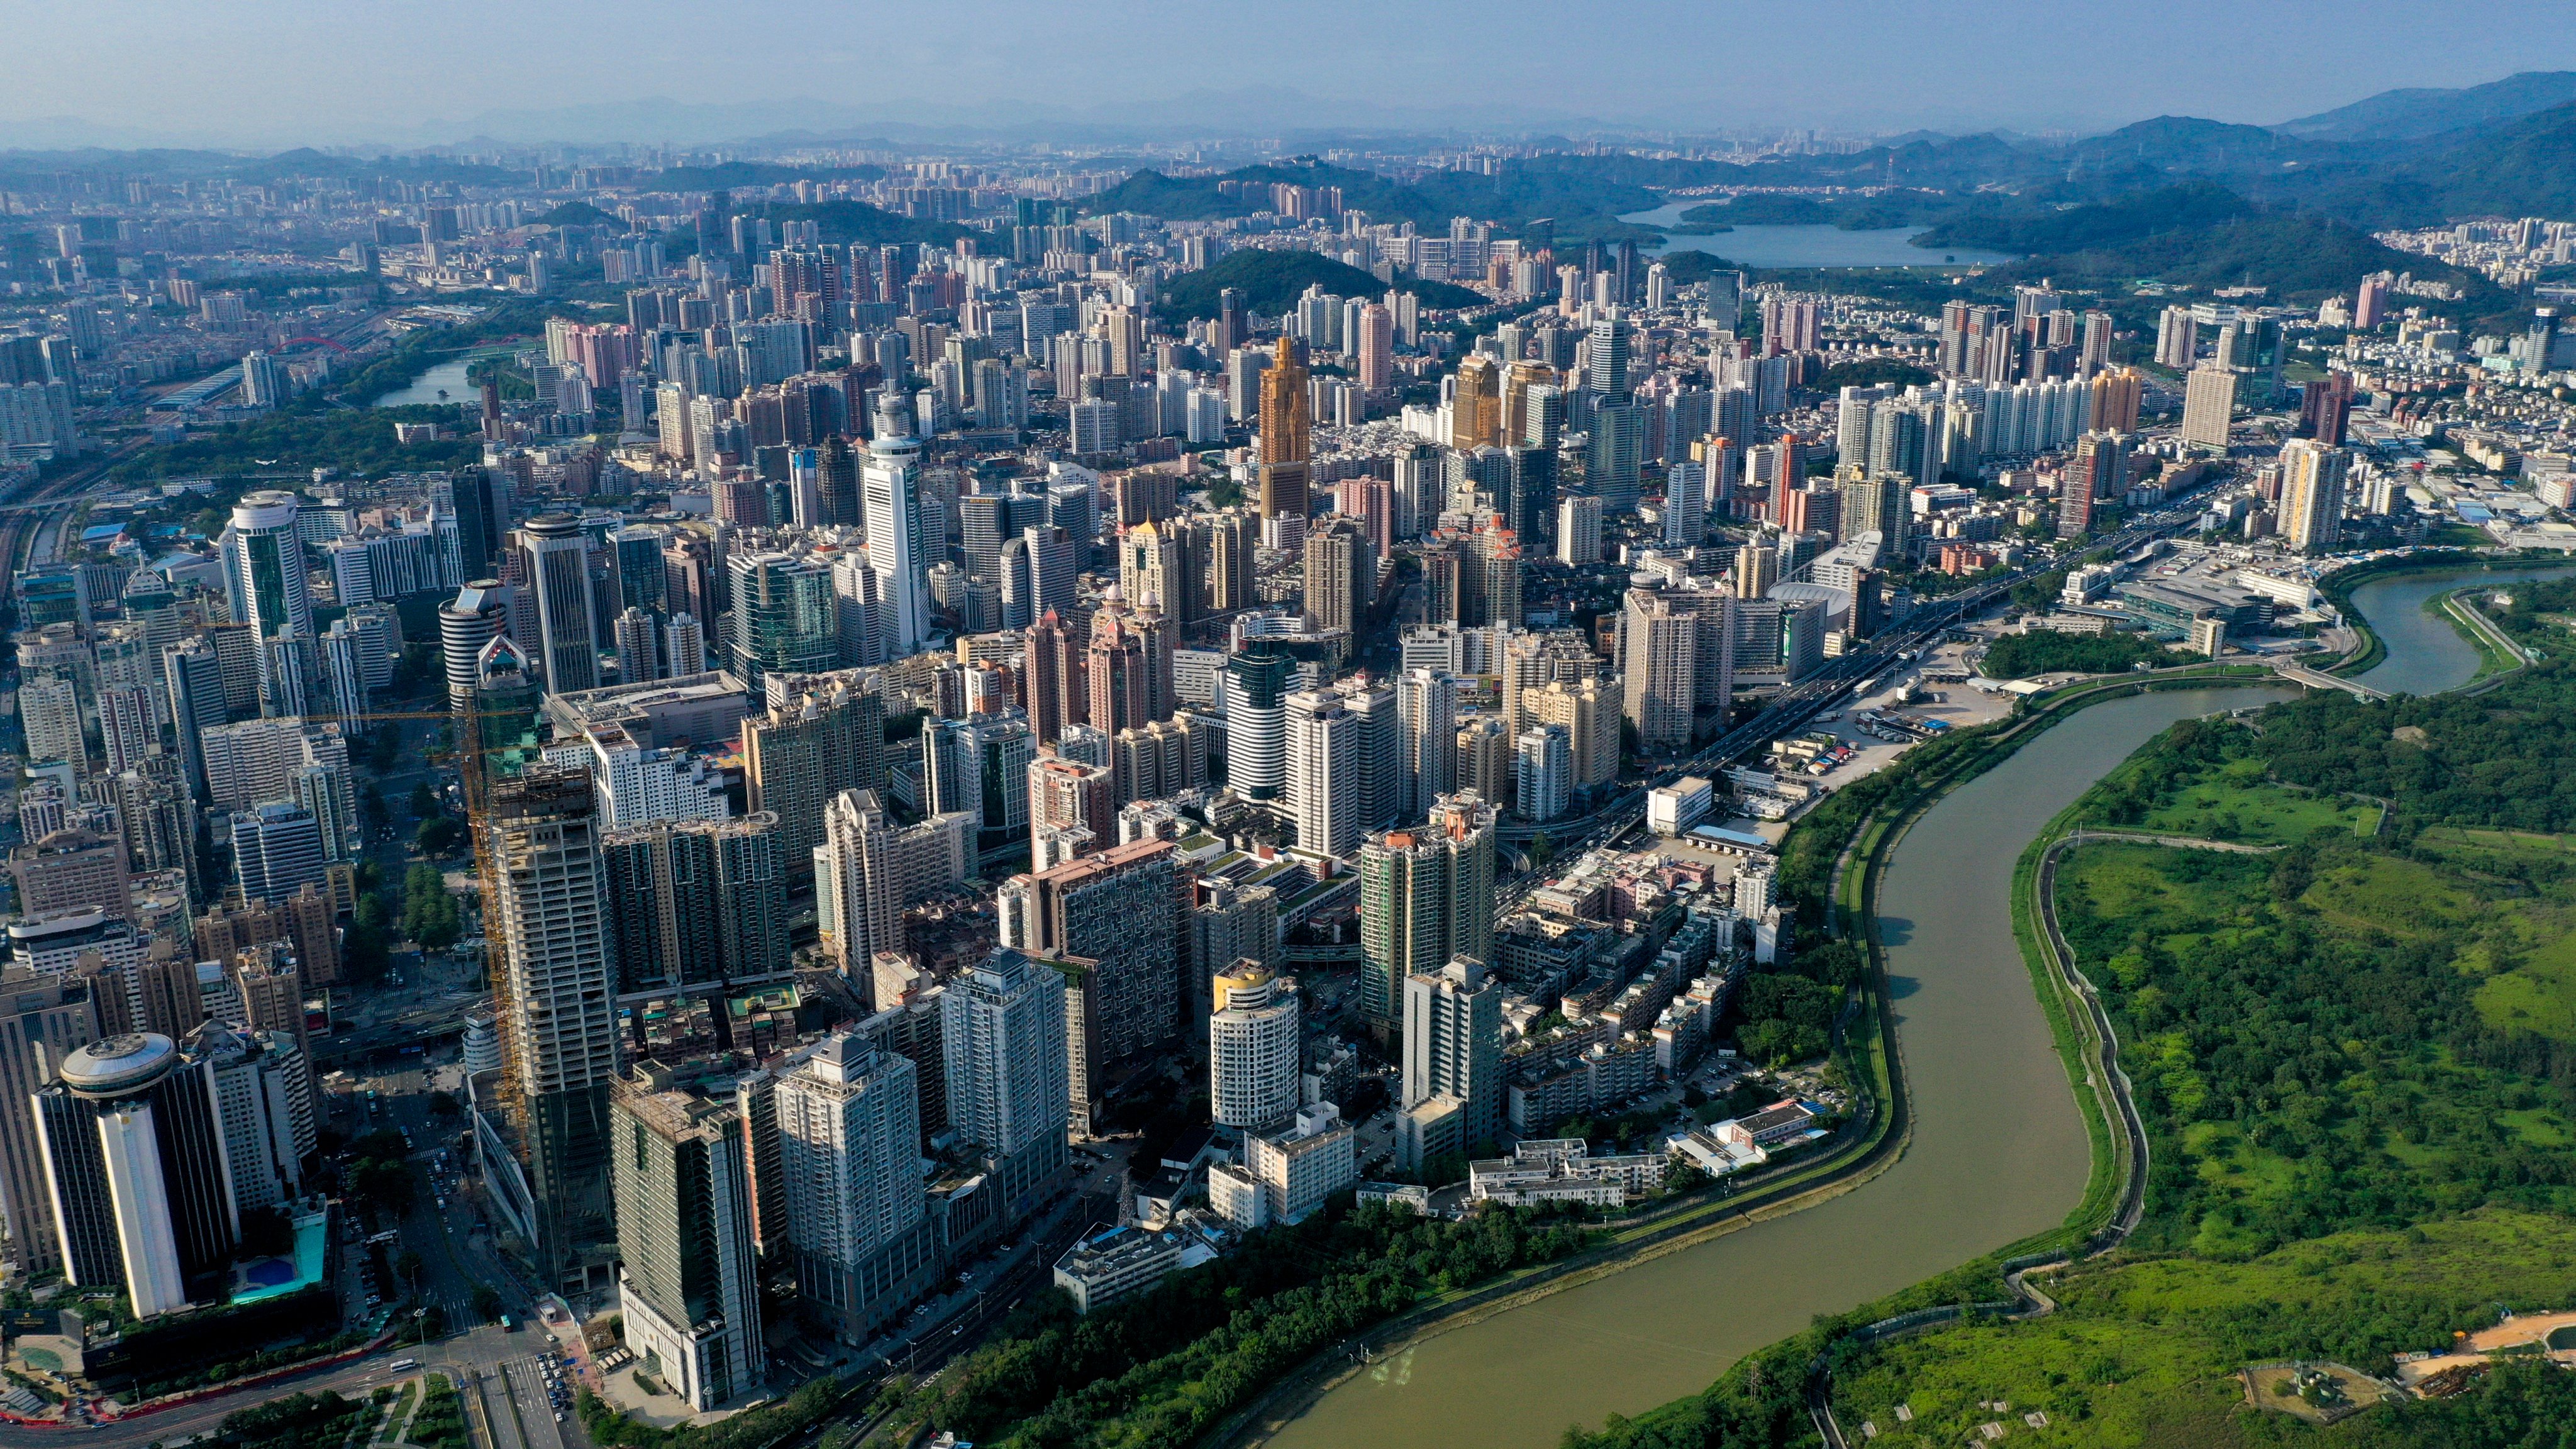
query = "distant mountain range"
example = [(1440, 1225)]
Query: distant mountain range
[(2405, 115)]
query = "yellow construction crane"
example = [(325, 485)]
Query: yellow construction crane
[(468, 724)]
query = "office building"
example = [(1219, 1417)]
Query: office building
[(1451, 1097), (479, 614), (786, 616), (43, 1019), (1252, 1048), (1322, 787), (1426, 896), (134, 1168), (1287, 434), (555, 560), (689, 1280), (556, 995), (868, 869), (1003, 1026), (277, 851), (1252, 692), (2208, 404), (2313, 481), (265, 565), (1476, 404), (898, 549)]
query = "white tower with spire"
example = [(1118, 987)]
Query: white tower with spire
[(897, 553)]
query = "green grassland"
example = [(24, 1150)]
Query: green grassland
[(2237, 803), (2325, 1037), (2145, 1353)]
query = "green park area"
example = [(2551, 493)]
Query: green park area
[(2238, 803), (2350, 1050), (2351, 1042), (2146, 1353)]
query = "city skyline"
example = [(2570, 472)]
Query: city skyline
[(304, 74)]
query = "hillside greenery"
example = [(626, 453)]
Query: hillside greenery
[(1272, 281), (1581, 194), (1869, 213)]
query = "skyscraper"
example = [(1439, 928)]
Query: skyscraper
[(849, 1151), (1253, 691), (868, 869), (690, 1280), (1252, 1047), (695, 905), (557, 564), (2208, 405), (1452, 1093), (1426, 712), (559, 1026), (1376, 348), (134, 1166), (1055, 680), (1003, 1027), (826, 736), (277, 851), (1426, 896), (479, 614), (1543, 770), (1677, 651), (1341, 575), (1118, 909), (2094, 479), (2313, 478), (1287, 434), (898, 551), (1476, 404), (1323, 773), (786, 617), (264, 560), (43, 1019)]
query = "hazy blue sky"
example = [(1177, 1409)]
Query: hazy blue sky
[(286, 71)]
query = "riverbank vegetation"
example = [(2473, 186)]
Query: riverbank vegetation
[(1166, 1367)]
